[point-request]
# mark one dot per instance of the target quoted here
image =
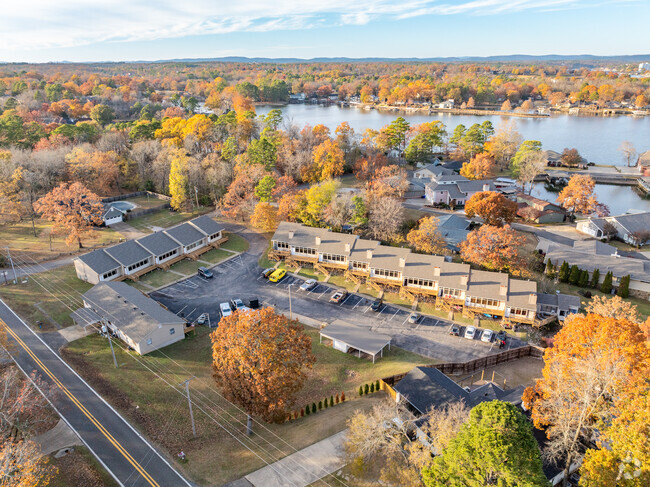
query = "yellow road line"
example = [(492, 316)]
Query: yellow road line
[(83, 409)]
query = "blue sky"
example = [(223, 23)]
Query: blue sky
[(126, 30)]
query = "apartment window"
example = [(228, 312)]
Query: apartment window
[(484, 302), (360, 265), (448, 292), (192, 246), (411, 281), (109, 274), (138, 265), (282, 245), (149, 342), (167, 255), (386, 273), (304, 250), (172, 331), (518, 312), (333, 258)]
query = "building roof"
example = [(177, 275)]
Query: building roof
[(451, 275), (485, 284), (303, 236), (522, 294), (567, 301), (207, 225), (359, 252), (594, 247), (385, 257), (112, 212), (436, 169), (128, 253), (452, 221), (128, 309), (356, 336), (633, 223), (99, 261), (422, 266), (426, 387), (185, 234), (158, 243), (85, 317)]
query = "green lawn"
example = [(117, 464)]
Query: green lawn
[(146, 201), (23, 244), (264, 261), (215, 256), (236, 243), (165, 416), (163, 219), (395, 299), (185, 267), (156, 278), (54, 291)]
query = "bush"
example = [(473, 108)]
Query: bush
[(583, 281), (331, 401), (372, 387), (606, 286), (343, 396), (320, 405), (624, 287), (550, 268), (325, 403), (574, 275), (337, 399), (595, 278), (361, 390), (313, 407), (563, 274), (377, 388), (366, 389)]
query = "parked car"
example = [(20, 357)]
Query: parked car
[(267, 272), (376, 304), (470, 333), (501, 336), (455, 330), (236, 304), (487, 336), (205, 273), (203, 319), (225, 310), (415, 318), (338, 296), (277, 275), (308, 285)]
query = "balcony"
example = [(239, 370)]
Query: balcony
[(498, 311), (447, 298), (390, 281), (430, 291), (312, 259), (334, 264)]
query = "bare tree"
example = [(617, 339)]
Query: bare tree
[(339, 211), (385, 217), (532, 164), (630, 154)]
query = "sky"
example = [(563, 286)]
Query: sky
[(132, 30)]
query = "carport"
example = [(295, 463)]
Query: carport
[(346, 336)]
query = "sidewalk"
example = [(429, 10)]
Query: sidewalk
[(303, 467)]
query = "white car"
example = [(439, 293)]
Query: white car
[(203, 319), (470, 332), (225, 309), (488, 336), (308, 285)]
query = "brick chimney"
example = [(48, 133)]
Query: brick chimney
[(532, 298)]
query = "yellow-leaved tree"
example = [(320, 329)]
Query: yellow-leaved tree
[(178, 180)]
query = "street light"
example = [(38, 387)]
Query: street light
[(290, 314)]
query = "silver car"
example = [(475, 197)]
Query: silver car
[(308, 285), (470, 333)]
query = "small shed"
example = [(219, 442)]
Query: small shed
[(347, 337), (112, 215)]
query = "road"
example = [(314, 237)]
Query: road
[(127, 456), (240, 278)]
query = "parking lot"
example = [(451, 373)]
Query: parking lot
[(241, 278)]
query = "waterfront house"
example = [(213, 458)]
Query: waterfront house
[(455, 190), (643, 163), (631, 228), (538, 210), (430, 171)]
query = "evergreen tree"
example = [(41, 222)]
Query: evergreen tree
[(361, 390), (366, 389), (583, 281), (332, 401), (377, 388), (606, 286), (624, 287), (313, 407), (574, 275), (595, 278), (563, 275), (320, 405), (550, 268), (307, 410)]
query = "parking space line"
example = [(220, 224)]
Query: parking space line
[(181, 310), (346, 298), (404, 322), (396, 311), (321, 294), (358, 302), (190, 314)]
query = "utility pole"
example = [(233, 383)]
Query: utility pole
[(12, 265), (110, 342), (189, 402), (196, 194), (290, 314)]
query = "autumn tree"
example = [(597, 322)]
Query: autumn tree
[(481, 166), (578, 195), (388, 181), (494, 248), (523, 153), (312, 203), (11, 208), (328, 162), (238, 200), (494, 208), (427, 238), (386, 215), (503, 145), (260, 360), (594, 359), (73, 209), (428, 138), (630, 155), (571, 157), (529, 166), (102, 114), (178, 184), (265, 187), (265, 217), (495, 446), (340, 211)]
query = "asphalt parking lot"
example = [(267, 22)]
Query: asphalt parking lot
[(241, 278)]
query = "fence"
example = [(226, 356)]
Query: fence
[(146, 211), (120, 197), (452, 368)]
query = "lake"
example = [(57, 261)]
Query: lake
[(596, 138)]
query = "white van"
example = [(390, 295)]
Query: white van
[(225, 309)]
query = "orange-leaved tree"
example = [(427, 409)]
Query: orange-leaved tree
[(481, 166), (73, 209), (265, 216), (591, 366), (495, 248), (494, 208), (427, 237), (578, 195), (329, 161), (259, 362)]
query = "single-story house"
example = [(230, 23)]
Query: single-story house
[(97, 266), (112, 215), (347, 337), (191, 238), (163, 248), (538, 210), (133, 258), (208, 227), (454, 229), (134, 318), (554, 159), (631, 228)]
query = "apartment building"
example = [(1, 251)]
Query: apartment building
[(453, 285), (159, 250)]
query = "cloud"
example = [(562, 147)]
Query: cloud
[(41, 24)]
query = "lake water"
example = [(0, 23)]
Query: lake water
[(596, 138)]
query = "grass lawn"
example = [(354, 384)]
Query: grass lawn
[(156, 278), (395, 299), (21, 241), (185, 267), (348, 181), (236, 243), (264, 261), (50, 291), (163, 219), (146, 201), (626, 247), (215, 256), (80, 467), (215, 457)]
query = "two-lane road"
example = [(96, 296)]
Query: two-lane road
[(130, 459)]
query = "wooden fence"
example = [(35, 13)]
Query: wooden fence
[(120, 197), (145, 211)]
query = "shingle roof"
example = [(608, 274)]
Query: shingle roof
[(99, 261), (483, 284), (427, 387), (112, 212), (128, 309), (422, 266), (636, 222), (85, 317), (521, 293), (385, 257), (185, 233), (158, 243), (359, 252), (207, 225), (128, 253)]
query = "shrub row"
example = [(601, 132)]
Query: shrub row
[(579, 277), (315, 407), (369, 389)]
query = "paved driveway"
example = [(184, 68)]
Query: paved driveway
[(240, 278)]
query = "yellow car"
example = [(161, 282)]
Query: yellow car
[(277, 275)]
